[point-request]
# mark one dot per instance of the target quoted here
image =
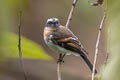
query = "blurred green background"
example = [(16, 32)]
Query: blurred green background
[(112, 70), (39, 60)]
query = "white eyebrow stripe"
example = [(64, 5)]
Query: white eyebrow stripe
[(56, 19), (52, 19)]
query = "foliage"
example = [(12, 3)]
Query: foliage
[(9, 41), (30, 49)]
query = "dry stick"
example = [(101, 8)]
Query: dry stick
[(19, 45), (71, 13), (97, 44), (67, 24), (58, 65), (58, 71)]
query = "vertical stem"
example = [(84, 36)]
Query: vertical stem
[(19, 45), (58, 71), (97, 44), (71, 13), (60, 59), (67, 24)]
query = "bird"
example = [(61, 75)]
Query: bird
[(62, 40)]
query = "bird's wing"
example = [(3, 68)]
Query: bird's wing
[(66, 39)]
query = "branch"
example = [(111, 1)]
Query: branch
[(97, 44), (67, 24), (19, 45), (60, 60), (58, 71), (71, 13)]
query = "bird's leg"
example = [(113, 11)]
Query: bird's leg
[(60, 59), (63, 56)]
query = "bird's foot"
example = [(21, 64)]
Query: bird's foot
[(61, 59)]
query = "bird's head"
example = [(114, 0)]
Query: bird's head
[(53, 23)]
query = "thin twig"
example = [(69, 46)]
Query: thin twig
[(58, 71), (97, 44), (71, 13), (19, 45), (67, 24), (60, 60)]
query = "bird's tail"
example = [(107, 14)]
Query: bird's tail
[(87, 61)]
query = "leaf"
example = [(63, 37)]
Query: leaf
[(30, 49)]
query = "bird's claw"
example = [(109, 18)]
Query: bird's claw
[(60, 60)]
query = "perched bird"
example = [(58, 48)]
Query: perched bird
[(62, 40)]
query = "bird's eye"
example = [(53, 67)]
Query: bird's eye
[(50, 22)]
